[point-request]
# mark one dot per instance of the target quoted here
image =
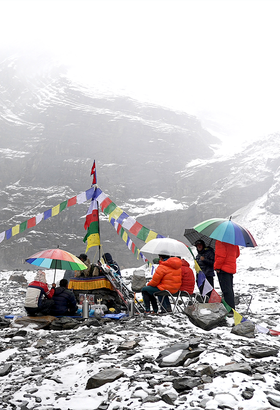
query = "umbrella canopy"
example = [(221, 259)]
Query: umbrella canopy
[(192, 236), (225, 230), (56, 259), (166, 246)]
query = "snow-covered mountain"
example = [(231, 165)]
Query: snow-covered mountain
[(158, 165)]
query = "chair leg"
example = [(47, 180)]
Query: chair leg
[(161, 307), (246, 299), (161, 297)]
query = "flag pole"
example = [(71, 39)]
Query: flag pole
[(94, 183), (96, 207)]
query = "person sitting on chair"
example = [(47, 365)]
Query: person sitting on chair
[(188, 279), (64, 300), (167, 276), (86, 272), (38, 298), (113, 264)]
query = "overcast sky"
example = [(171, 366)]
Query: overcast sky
[(200, 56)]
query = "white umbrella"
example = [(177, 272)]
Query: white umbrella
[(166, 246)]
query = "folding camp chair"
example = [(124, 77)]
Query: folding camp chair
[(172, 297), (179, 301), (245, 299)]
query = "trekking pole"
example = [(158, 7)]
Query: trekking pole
[(122, 290), (131, 295), (107, 270)]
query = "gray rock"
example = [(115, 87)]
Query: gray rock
[(173, 348), (274, 400), (6, 369), (103, 377), (128, 345), (151, 399), (18, 278), (236, 367), (263, 351), (206, 315), (4, 323), (179, 361), (168, 398), (245, 329), (186, 383), (248, 393), (164, 360), (204, 370)]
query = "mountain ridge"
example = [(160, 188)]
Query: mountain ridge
[(145, 155)]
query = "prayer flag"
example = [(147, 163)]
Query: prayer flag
[(93, 172), (228, 308), (92, 225), (206, 288), (200, 278), (262, 329), (237, 317), (197, 267), (214, 297), (274, 332)]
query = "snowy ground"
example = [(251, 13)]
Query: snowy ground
[(68, 358)]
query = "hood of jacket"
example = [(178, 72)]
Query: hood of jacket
[(59, 290), (173, 262)]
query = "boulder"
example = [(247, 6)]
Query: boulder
[(206, 315), (103, 377), (235, 367), (245, 329)]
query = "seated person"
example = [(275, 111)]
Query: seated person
[(86, 272), (38, 298), (64, 300), (188, 279), (113, 264), (168, 276)]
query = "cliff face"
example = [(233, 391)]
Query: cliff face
[(52, 130)]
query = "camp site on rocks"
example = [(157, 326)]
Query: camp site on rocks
[(138, 361), (115, 356)]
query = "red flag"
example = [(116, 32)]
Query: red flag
[(93, 172), (214, 297)]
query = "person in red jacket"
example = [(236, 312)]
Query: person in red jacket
[(38, 296), (167, 276), (188, 279), (225, 266)]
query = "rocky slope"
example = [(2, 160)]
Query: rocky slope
[(141, 362)]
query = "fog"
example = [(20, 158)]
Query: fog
[(216, 59)]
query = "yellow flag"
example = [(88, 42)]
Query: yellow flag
[(93, 240), (237, 317), (196, 266)]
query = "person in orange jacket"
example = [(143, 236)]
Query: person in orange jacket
[(167, 276), (225, 266)]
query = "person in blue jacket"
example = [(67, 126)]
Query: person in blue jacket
[(113, 264), (64, 300)]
